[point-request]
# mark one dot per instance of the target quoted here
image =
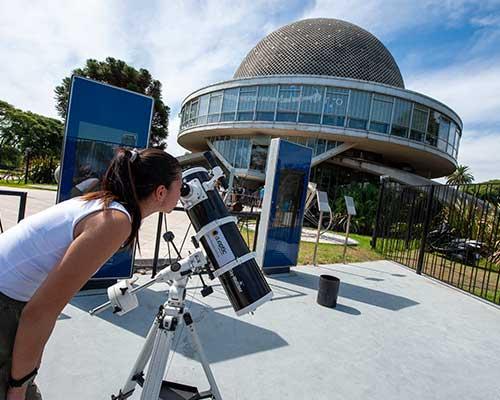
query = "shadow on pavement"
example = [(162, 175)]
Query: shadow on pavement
[(357, 293), (223, 337)]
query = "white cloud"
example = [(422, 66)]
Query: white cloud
[(481, 152), (385, 17), (184, 44), (471, 89), (41, 42), (189, 44)]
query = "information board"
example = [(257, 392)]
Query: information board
[(323, 204), (101, 118), (287, 176), (349, 203)]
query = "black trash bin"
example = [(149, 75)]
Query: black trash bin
[(328, 290)]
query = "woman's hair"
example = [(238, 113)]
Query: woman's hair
[(134, 175)]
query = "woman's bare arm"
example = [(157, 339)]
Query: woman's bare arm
[(99, 236)]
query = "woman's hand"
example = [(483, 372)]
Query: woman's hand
[(18, 393)]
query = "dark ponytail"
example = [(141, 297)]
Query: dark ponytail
[(132, 176)]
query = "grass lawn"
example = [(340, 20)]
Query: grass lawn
[(329, 253), (28, 186)]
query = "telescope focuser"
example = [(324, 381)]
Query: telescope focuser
[(217, 172)]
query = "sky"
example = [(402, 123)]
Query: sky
[(448, 50)]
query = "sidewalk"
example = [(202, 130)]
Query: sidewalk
[(394, 335)]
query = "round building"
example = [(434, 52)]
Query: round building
[(332, 86)]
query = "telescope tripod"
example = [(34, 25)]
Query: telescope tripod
[(171, 315)]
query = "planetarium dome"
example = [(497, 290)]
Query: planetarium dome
[(322, 46)]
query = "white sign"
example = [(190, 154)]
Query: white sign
[(349, 203), (220, 247), (323, 204)]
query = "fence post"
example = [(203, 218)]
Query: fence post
[(425, 230), (22, 206), (373, 242), (409, 223)]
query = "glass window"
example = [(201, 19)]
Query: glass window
[(183, 116), (432, 128), (204, 104), (214, 107), (419, 122), (331, 145), (242, 153), (310, 118), (359, 108), (203, 109), (311, 104), (381, 113), (193, 112), (451, 138), (401, 118), (266, 102), (288, 103), (229, 104), (333, 120), (458, 135), (223, 143), (320, 147), (335, 107), (231, 150), (258, 157), (246, 105), (444, 130)]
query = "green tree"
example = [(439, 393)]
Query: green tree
[(365, 196), (20, 130), (118, 73), (461, 176)]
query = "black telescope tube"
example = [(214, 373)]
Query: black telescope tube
[(244, 282)]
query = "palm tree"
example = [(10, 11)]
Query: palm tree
[(461, 176)]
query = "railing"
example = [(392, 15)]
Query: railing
[(448, 232)]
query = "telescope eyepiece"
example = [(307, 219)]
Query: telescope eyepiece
[(185, 189)]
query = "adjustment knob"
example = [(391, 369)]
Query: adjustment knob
[(175, 267)]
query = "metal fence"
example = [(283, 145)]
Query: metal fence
[(22, 204), (448, 232)]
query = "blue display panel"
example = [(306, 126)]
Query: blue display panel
[(287, 178), (101, 118)]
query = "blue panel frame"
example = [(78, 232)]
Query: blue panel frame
[(101, 118), (293, 164)]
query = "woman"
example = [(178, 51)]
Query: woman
[(48, 257)]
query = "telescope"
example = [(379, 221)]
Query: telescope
[(227, 258), (230, 259)]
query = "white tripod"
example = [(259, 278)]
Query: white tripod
[(160, 337)]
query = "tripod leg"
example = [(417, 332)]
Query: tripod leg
[(157, 364), (203, 359), (142, 359)]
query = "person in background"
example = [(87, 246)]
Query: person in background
[(48, 257)]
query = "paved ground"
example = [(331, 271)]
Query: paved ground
[(394, 335)]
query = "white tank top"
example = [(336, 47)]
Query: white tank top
[(30, 249)]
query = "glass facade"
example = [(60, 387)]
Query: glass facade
[(325, 105), (380, 120), (247, 154)]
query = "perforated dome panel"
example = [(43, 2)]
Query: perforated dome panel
[(322, 46)]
